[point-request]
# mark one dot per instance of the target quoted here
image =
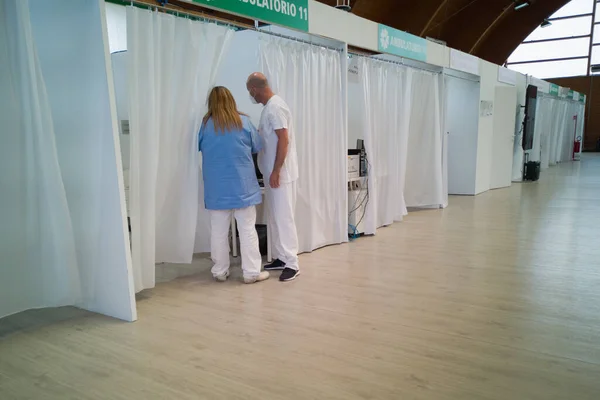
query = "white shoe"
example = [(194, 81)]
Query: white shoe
[(222, 278), (263, 276)]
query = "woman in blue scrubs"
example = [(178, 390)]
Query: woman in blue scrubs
[(227, 140)]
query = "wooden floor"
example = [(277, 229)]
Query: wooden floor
[(496, 297)]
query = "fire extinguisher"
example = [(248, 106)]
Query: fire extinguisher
[(576, 148), (577, 142)]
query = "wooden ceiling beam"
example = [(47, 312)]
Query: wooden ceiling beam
[(433, 17), (491, 27)]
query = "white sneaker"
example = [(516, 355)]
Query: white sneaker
[(263, 276), (222, 278)]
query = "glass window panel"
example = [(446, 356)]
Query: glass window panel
[(596, 55), (553, 69), (596, 34), (563, 28), (549, 50), (597, 15), (575, 7)]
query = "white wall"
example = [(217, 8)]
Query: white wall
[(518, 154), (329, 22), (489, 79), (71, 40), (461, 99), (438, 54)]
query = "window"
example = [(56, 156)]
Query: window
[(563, 48), (563, 28), (551, 50), (597, 32), (596, 55), (552, 69), (575, 7)]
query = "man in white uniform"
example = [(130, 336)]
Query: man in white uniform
[(279, 166)]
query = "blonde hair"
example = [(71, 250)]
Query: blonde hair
[(223, 110)]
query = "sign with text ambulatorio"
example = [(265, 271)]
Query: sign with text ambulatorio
[(399, 43), (290, 13)]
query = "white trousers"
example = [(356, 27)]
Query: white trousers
[(220, 225), (281, 206)]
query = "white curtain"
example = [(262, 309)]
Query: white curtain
[(385, 92), (308, 78), (39, 266), (543, 127), (562, 131), (425, 169), (172, 64)]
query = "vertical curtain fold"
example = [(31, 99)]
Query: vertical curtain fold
[(425, 170), (39, 267), (385, 90), (172, 65), (309, 78), (403, 140)]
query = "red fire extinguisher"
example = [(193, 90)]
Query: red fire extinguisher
[(577, 142), (576, 148)]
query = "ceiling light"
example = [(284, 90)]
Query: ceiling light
[(545, 24), (521, 4), (343, 5)]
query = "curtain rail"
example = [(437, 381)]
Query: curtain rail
[(433, 70), (193, 15), (199, 17), (295, 39)]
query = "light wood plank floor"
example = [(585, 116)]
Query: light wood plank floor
[(496, 297)]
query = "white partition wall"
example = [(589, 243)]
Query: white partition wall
[(424, 186), (68, 242), (461, 122), (543, 128), (505, 114)]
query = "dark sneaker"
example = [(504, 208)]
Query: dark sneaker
[(289, 274), (276, 265)]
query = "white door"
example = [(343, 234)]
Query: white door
[(461, 127), (505, 114)]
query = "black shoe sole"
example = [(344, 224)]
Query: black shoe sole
[(266, 268), (290, 279)]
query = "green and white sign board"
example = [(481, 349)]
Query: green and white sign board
[(402, 44), (289, 13), (554, 89)]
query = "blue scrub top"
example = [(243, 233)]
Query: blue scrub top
[(227, 167)]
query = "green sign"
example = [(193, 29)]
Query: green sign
[(571, 94), (402, 44), (554, 89), (582, 97), (290, 13)]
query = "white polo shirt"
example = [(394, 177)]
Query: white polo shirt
[(277, 115)]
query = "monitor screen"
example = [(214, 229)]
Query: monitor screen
[(529, 122)]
